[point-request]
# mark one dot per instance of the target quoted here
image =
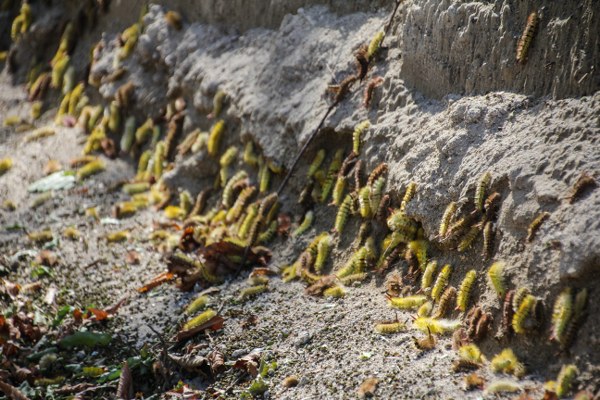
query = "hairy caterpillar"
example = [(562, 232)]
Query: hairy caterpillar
[(174, 19), (59, 68), (488, 240), (527, 37), (228, 190), (502, 386), (306, 223), (264, 177), (214, 138), (535, 225), (419, 249), (561, 314), (199, 320), (468, 238), (342, 214), (356, 264), (22, 22), (358, 131), (376, 193), (388, 328), (340, 183), (578, 316), (425, 309), (436, 326), (409, 302), (427, 278), (363, 202), (323, 248), (185, 202), (251, 292), (491, 206), (135, 188), (382, 209), (89, 169), (234, 212), (159, 159), (144, 131), (350, 279), (265, 204), (129, 37), (41, 236), (496, 278), (400, 222), (565, 379), (507, 315), (458, 228), (314, 245), (480, 191), (218, 101), (114, 120), (68, 80), (472, 318), (250, 156), (200, 142), (116, 237), (445, 301), (357, 173), (525, 308), (174, 212), (335, 292), (228, 157), (368, 94), (471, 352), (378, 172), (343, 88), (197, 304), (72, 233), (320, 177), (441, 282), (464, 291), (506, 362), (519, 296), (389, 255), (483, 325), (248, 221), (38, 89), (584, 182), (408, 195), (374, 45), (316, 163), (332, 172), (363, 232)]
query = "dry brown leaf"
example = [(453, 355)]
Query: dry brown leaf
[(249, 363), (99, 315), (190, 362), (157, 281), (125, 388), (115, 307), (12, 392), (47, 258), (215, 323), (216, 360), (317, 288), (262, 271), (368, 387)]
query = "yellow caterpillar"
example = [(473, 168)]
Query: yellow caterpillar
[(22, 22), (355, 265), (535, 225), (214, 138), (342, 214), (5, 165), (526, 37), (525, 308), (234, 212), (400, 222), (264, 177), (408, 195), (40, 236), (58, 71), (427, 278), (468, 238), (363, 202), (89, 169), (265, 204), (200, 142), (419, 249), (144, 131), (408, 302), (335, 292), (267, 236), (471, 353), (519, 296), (199, 320), (229, 187), (374, 45), (436, 326), (218, 101), (441, 282), (502, 386), (135, 188), (197, 304), (561, 314), (228, 157), (482, 187), (425, 309), (332, 172), (252, 292), (488, 239), (389, 328), (116, 237), (376, 193), (250, 156), (114, 120), (464, 291), (129, 37), (506, 362), (358, 131), (248, 221), (306, 223), (316, 163), (565, 379), (445, 301), (323, 249), (159, 159), (496, 278)]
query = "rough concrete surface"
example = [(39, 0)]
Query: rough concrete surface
[(453, 105)]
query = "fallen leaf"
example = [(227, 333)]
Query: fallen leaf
[(12, 392), (115, 307), (215, 323), (190, 362), (368, 387), (249, 363), (158, 280), (125, 388), (216, 360), (77, 315), (262, 271), (99, 315)]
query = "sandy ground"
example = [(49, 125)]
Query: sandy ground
[(275, 80)]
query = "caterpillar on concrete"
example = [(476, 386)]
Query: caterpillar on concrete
[(565, 379), (469, 238), (584, 182), (332, 172), (561, 315), (264, 173), (535, 225), (496, 278), (368, 94), (488, 239), (378, 172), (376, 193), (482, 187), (316, 163), (214, 138), (519, 296), (527, 36), (363, 202), (445, 301), (525, 308), (342, 214), (491, 206), (234, 212), (250, 157), (374, 45), (427, 278), (229, 187), (306, 223), (358, 131), (174, 19), (441, 282), (419, 249), (323, 249), (408, 195)]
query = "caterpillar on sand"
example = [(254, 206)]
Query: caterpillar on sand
[(445, 301), (527, 36), (323, 249), (388, 328), (406, 303), (199, 320), (252, 292), (436, 326)]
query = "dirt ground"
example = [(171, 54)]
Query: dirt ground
[(443, 133)]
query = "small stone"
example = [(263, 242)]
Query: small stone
[(303, 338)]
